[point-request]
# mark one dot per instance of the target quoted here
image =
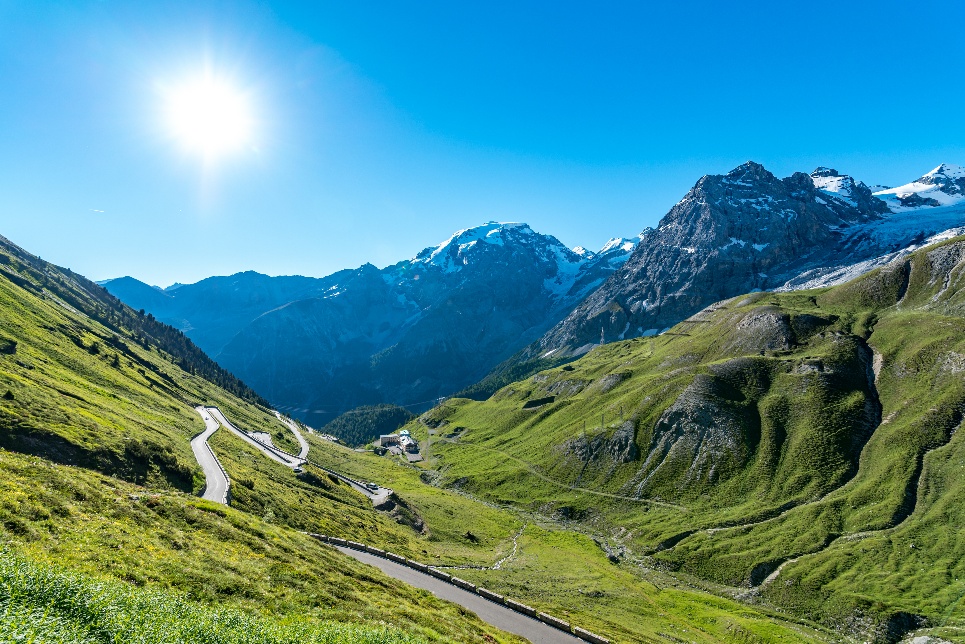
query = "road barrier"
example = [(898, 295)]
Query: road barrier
[(521, 608), (589, 637), (553, 621), (462, 583), (465, 585), (490, 595), (438, 574)]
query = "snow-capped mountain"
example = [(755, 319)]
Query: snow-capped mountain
[(407, 334), (503, 296), (748, 230), (943, 186)]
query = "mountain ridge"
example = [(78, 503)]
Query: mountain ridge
[(722, 234), (370, 336)]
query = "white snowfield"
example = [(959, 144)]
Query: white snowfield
[(904, 230), (822, 277), (939, 184), (840, 187), (455, 253)]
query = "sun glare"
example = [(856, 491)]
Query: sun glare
[(209, 116)]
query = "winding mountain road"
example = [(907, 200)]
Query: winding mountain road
[(215, 479), (216, 489), (275, 454), (303, 454), (488, 611)]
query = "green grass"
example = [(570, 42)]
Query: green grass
[(98, 483), (98, 478), (798, 471), (45, 604), (75, 519), (559, 568)]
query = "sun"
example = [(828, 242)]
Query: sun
[(209, 116)]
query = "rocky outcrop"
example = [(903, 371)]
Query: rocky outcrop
[(615, 449), (730, 234)]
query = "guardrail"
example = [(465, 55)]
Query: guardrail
[(279, 452), (547, 619), (289, 455)]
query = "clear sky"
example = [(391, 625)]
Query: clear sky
[(376, 129)]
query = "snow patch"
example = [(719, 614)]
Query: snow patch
[(943, 186)]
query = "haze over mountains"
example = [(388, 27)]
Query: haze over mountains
[(406, 334), (503, 300)]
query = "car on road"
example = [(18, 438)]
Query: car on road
[(372, 486)]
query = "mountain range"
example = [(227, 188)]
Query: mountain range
[(499, 301), (407, 334), (780, 465)]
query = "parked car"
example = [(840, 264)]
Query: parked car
[(372, 486), (298, 470)]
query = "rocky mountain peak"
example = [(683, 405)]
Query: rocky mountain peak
[(458, 251), (943, 186), (822, 171), (945, 171), (731, 233), (750, 170)]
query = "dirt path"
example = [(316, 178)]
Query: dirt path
[(532, 470)]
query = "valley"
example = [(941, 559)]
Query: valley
[(779, 465)]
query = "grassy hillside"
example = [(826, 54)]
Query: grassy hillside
[(99, 480), (98, 496), (812, 429), (562, 567), (647, 492)]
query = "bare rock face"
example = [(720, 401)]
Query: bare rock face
[(616, 449), (743, 231), (701, 435), (763, 330)]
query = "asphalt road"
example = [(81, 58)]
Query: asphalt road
[(488, 611), (303, 454), (215, 481), (274, 454)]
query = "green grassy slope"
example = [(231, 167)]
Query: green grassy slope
[(98, 479), (814, 428), (559, 566)]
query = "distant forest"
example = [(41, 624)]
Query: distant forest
[(362, 425)]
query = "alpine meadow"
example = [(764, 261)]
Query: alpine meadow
[(481, 323)]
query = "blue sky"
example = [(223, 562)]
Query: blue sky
[(382, 127)]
